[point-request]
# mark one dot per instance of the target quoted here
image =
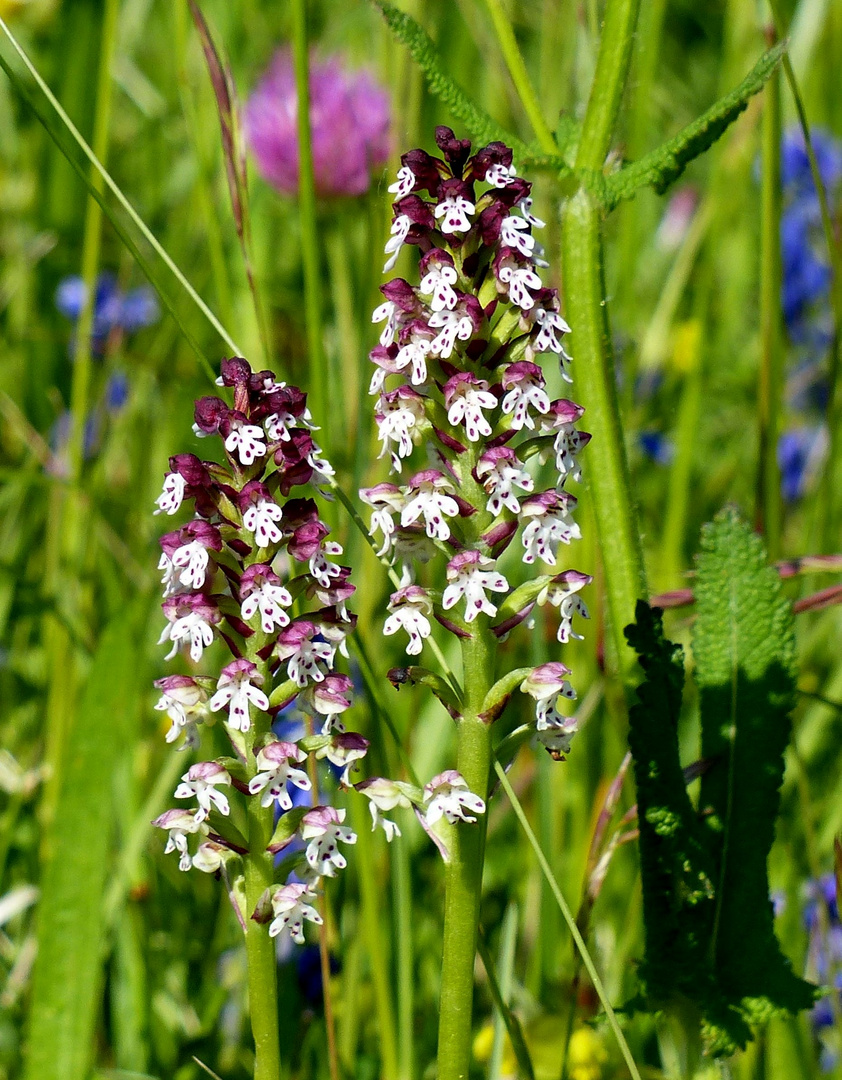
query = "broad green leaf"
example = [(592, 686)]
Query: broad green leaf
[(425, 54), (66, 978), (659, 168), (744, 650), (676, 870)]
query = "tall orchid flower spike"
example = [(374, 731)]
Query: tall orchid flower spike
[(471, 342), (255, 595)]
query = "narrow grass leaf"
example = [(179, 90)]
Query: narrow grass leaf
[(567, 914), (744, 649), (664, 165), (62, 130), (67, 971)]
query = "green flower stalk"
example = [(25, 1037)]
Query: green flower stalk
[(462, 408)]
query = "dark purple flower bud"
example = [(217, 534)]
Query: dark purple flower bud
[(401, 294), (500, 536), (425, 169), (490, 220), (455, 150), (194, 470), (197, 531), (420, 214), (209, 413), (561, 412), (306, 540)]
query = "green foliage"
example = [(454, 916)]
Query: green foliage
[(67, 972), (664, 165), (744, 648), (425, 54), (677, 871), (708, 917)]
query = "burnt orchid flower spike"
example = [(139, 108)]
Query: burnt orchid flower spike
[(256, 550), (447, 375)]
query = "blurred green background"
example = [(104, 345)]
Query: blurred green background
[(83, 771)]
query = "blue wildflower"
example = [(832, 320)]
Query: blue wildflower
[(656, 446), (823, 961), (806, 265), (800, 452), (117, 391), (795, 165), (114, 310)]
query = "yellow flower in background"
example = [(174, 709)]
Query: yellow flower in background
[(37, 11), (587, 1055), (544, 1036), (686, 340)]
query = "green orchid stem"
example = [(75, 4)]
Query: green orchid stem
[(586, 311), (260, 948), (258, 865), (463, 877), (614, 510)]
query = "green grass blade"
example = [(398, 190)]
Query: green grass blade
[(568, 918), (67, 971), (68, 125)]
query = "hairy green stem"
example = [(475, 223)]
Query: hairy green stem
[(618, 31), (768, 506), (260, 948), (614, 509), (585, 307), (463, 876)]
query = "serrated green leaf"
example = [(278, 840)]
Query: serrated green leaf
[(676, 870), (65, 982), (425, 54), (662, 166), (744, 650)]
